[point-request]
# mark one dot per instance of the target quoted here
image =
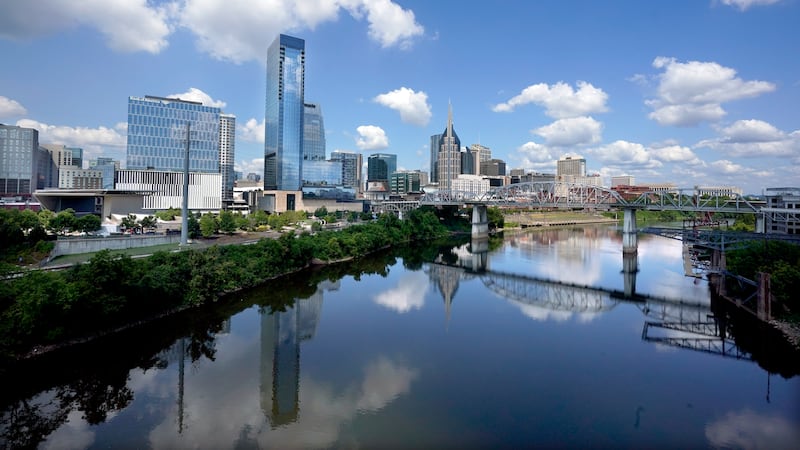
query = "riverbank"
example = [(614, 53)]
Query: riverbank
[(790, 331)]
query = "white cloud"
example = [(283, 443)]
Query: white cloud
[(197, 95), (693, 92), (675, 153), (571, 131), (412, 106), (624, 153), (726, 167), (255, 165), (251, 131), (371, 138), (754, 138), (744, 5), (240, 30), (407, 295), (11, 108), (100, 141), (74, 433), (534, 155), (128, 25), (560, 100), (389, 23)]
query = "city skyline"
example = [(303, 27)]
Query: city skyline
[(676, 92)]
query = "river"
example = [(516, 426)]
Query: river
[(549, 339)]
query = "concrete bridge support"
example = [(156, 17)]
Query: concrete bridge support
[(630, 265), (480, 221), (629, 238)]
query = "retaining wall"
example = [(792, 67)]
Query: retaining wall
[(91, 245)]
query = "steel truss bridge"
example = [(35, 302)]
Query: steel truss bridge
[(671, 322), (564, 195)]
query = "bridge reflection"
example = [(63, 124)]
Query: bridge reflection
[(674, 322)]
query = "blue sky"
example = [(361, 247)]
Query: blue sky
[(695, 92)]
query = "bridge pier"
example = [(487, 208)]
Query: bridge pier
[(629, 238), (630, 265), (480, 221)]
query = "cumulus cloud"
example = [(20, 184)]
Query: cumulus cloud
[(11, 108), (571, 131), (255, 165), (239, 30), (128, 25), (726, 167), (693, 92), (407, 295), (100, 141), (412, 106), (560, 100), (744, 5), (676, 153), (535, 155), (624, 153), (197, 95), (371, 137), (754, 138), (251, 131)]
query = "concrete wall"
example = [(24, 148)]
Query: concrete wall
[(77, 246)]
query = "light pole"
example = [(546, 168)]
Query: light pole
[(185, 208)]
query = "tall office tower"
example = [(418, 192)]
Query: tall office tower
[(435, 140), (481, 153), (283, 142), (157, 133), (77, 156), (449, 153), (380, 166), (19, 160), (313, 133), (227, 149), (570, 168), (468, 160), (351, 167)]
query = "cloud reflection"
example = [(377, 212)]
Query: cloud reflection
[(749, 430), (407, 295), (74, 433)]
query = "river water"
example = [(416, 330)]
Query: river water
[(549, 339)]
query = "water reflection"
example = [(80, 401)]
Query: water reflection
[(749, 430)]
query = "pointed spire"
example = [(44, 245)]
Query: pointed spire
[(449, 119)]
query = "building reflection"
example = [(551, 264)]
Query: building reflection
[(282, 332)]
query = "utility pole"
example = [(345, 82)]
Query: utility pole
[(185, 208)]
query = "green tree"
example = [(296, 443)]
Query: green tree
[(63, 221), (168, 214), (45, 216), (227, 222), (129, 222), (148, 222), (208, 225), (194, 226), (495, 217), (321, 212), (27, 220), (88, 224)]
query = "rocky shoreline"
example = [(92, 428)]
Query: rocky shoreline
[(790, 331)]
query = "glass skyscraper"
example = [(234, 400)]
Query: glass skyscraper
[(227, 146), (18, 160), (157, 133), (449, 154), (313, 133), (380, 166), (283, 143), (351, 167)]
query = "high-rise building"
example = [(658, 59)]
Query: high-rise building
[(108, 167), (493, 167), (481, 154), (380, 166), (313, 133), (351, 167), (468, 162), (283, 142), (77, 156), (622, 180), (405, 181), (570, 168), (435, 141), (449, 154), (19, 160), (227, 150), (157, 135)]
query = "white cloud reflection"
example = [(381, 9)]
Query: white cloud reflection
[(749, 430), (407, 295)]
